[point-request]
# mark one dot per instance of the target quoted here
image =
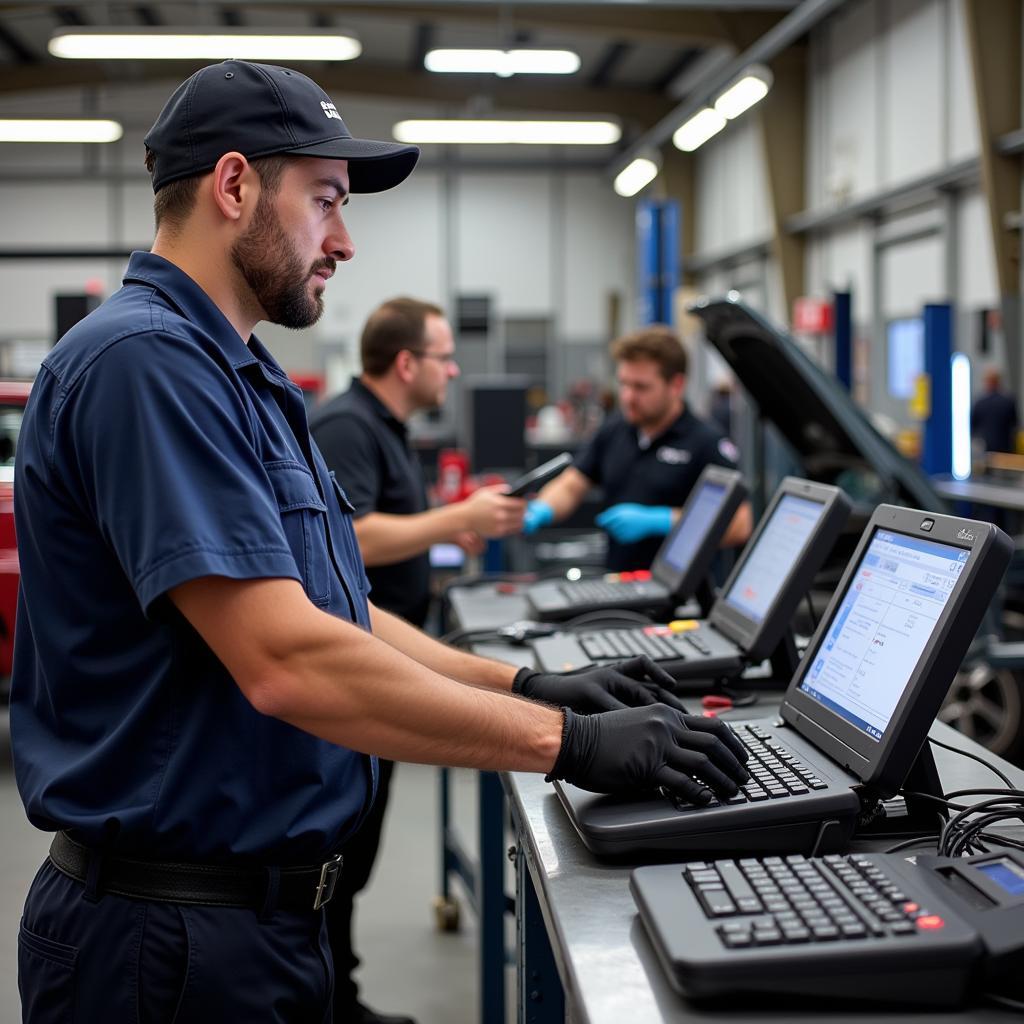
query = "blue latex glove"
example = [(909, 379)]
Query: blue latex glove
[(628, 521), (538, 514)]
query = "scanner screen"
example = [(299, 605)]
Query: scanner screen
[(1006, 874), (693, 529), (881, 628), (778, 547)]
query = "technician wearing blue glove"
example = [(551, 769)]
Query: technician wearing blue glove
[(646, 458)]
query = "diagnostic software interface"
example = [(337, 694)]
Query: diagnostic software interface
[(781, 543), (693, 529), (881, 627)]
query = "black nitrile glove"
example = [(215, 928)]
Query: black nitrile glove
[(629, 684), (640, 749)]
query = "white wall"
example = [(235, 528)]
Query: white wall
[(547, 242)]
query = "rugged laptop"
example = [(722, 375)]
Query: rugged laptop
[(753, 612), (679, 568), (857, 711)]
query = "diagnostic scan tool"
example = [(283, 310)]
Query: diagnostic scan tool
[(857, 711)]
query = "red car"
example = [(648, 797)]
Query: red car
[(13, 396)]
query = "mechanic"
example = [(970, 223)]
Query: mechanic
[(200, 680), (408, 357), (646, 457)]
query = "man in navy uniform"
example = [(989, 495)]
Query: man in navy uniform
[(200, 681), (646, 458)]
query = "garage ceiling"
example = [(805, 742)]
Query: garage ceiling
[(635, 56)]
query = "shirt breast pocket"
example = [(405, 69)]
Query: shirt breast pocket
[(304, 520), (350, 552)]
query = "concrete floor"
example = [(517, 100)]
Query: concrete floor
[(408, 966)]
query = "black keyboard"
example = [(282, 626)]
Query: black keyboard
[(775, 772), (605, 644), (793, 900), (585, 593)]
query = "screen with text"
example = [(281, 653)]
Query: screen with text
[(695, 525)]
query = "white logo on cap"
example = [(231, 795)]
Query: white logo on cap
[(330, 110)]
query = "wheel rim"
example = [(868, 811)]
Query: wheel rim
[(984, 704)]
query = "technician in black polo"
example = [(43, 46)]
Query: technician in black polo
[(408, 357), (646, 457)]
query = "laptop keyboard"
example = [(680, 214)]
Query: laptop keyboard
[(775, 772), (792, 900), (603, 644), (589, 592)]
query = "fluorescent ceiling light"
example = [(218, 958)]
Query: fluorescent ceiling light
[(695, 132), (189, 44), (640, 173), (503, 62), (536, 133), (750, 88), (52, 129)]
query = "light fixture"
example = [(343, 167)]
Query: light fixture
[(751, 87), (503, 133), (637, 175), (52, 129), (695, 132), (189, 44), (503, 63), (960, 371)]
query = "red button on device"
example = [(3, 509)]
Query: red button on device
[(930, 923)]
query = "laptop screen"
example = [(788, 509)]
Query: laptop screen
[(778, 547), (699, 518), (881, 627)]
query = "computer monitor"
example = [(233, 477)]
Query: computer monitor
[(684, 559), (905, 355), (906, 609), (886, 617), (792, 540)]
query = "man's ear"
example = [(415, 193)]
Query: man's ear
[(234, 187), (405, 365)]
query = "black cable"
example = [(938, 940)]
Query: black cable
[(1006, 1001), (908, 843), (974, 757)]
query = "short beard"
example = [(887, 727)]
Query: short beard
[(273, 270)]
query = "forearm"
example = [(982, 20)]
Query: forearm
[(385, 539), (740, 528), (357, 691), (456, 664), (565, 493)]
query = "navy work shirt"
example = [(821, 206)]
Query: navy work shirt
[(662, 472), (157, 447), (367, 446)]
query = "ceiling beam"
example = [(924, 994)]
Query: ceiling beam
[(21, 51), (637, 106), (422, 43), (607, 63)]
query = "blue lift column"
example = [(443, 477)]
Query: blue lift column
[(937, 446), (842, 316), (657, 259)]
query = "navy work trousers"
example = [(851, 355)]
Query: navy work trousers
[(125, 961)]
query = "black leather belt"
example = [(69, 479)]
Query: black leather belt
[(300, 890)]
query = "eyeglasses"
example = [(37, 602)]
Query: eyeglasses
[(447, 358)]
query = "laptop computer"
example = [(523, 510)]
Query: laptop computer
[(857, 711), (679, 568), (751, 615)]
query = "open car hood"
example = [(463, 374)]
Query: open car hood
[(812, 410)]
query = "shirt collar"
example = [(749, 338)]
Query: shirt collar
[(370, 399), (198, 308)]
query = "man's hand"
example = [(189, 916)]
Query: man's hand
[(628, 521), (538, 515), (470, 542), (490, 512), (640, 749), (638, 682)]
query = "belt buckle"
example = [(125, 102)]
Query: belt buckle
[(329, 871)]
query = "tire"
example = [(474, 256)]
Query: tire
[(985, 704)]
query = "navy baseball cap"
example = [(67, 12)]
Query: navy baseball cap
[(258, 110)]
